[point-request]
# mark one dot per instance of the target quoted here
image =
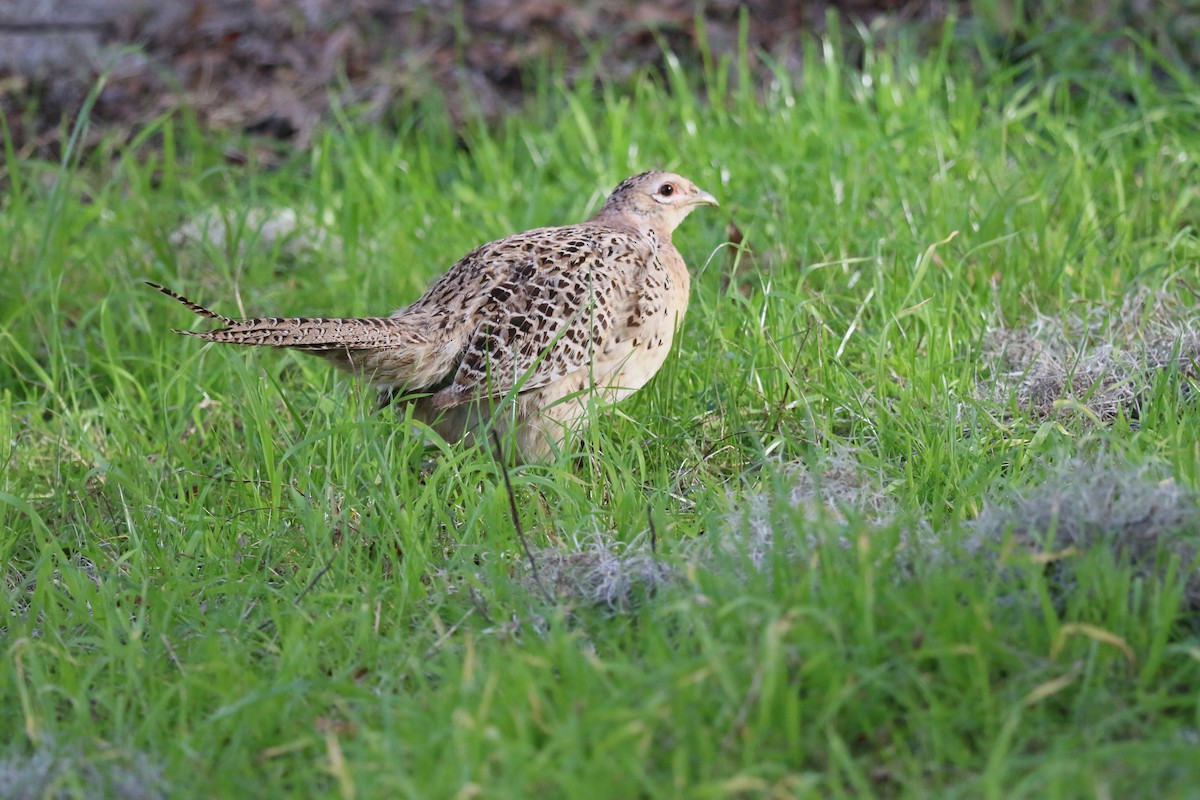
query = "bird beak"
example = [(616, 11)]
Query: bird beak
[(703, 198)]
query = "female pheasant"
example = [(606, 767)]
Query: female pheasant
[(523, 332)]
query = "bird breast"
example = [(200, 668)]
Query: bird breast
[(638, 348)]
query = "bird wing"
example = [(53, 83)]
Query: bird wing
[(553, 308)]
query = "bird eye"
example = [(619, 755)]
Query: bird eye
[(667, 189)]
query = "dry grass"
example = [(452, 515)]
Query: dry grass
[(600, 571), (52, 772), (837, 486), (1137, 512), (1102, 360), (597, 571), (232, 231)]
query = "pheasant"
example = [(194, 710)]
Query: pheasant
[(523, 333)]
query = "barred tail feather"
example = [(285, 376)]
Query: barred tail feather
[(196, 307), (313, 334)]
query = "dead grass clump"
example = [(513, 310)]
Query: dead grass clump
[(597, 571), (1103, 360), (838, 485), (52, 771), (600, 572), (1139, 513), (295, 233)]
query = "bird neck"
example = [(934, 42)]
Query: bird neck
[(633, 222)]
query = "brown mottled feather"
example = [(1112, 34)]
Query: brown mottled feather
[(548, 317)]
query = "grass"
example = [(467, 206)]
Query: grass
[(225, 576)]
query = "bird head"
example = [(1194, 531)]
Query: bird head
[(658, 199)]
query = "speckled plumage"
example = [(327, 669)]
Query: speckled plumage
[(545, 319)]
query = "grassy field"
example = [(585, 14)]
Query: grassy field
[(911, 511)]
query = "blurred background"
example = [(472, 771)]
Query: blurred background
[(274, 67)]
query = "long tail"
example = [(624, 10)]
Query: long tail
[(340, 340)]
